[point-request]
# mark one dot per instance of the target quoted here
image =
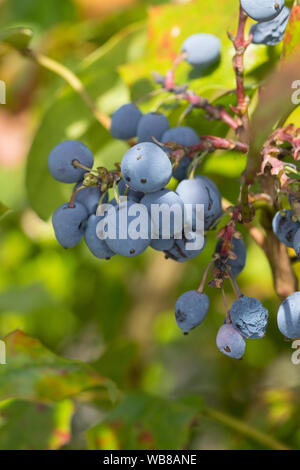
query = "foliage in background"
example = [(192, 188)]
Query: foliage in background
[(109, 368)]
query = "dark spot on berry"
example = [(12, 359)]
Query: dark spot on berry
[(143, 180), (132, 252), (227, 349), (128, 178), (139, 157), (290, 236), (180, 316)]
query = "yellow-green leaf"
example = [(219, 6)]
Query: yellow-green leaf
[(33, 372)]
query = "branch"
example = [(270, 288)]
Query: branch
[(242, 428), (212, 143), (71, 79), (241, 45), (219, 113)]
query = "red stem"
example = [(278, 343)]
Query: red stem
[(212, 143)]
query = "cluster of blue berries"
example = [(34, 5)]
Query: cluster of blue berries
[(140, 182), (246, 319), (272, 17), (146, 169)]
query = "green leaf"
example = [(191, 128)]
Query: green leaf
[(51, 429), (170, 25), (34, 373), (69, 118), (17, 37), (291, 43), (3, 210), (142, 421)]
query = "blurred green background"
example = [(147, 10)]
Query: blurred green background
[(132, 380)]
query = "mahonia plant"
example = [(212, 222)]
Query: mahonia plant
[(157, 153)]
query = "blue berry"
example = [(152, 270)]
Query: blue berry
[(124, 122), (186, 136), (237, 265), (168, 199), (98, 247), (131, 194), (162, 244), (262, 10), (190, 310), (89, 197), (201, 190), (146, 168), (152, 125), (182, 135), (288, 316), (285, 228), (271, 32), (230, 342), (249, 317), (296, 242), (69, 224), (61, 160), (121, 241), (180, 253), (202, 49)]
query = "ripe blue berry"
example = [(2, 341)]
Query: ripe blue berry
[(201, 190), (130, 193), (230, 342), (89, 197), (271, 32), (288, 316), (146, 168), (121, 241), (124, 122), (61, 160), (202, 49), (186, 136), (190, 310), (162, 244), (262, 10), (180, 253), (249, 317), (237, 265), (165, 198), (296, 242), (182, 135), (98, 247), (152, 125), (69, 224), (285, 228)]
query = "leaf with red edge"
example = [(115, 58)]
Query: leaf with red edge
[(35, 373)]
